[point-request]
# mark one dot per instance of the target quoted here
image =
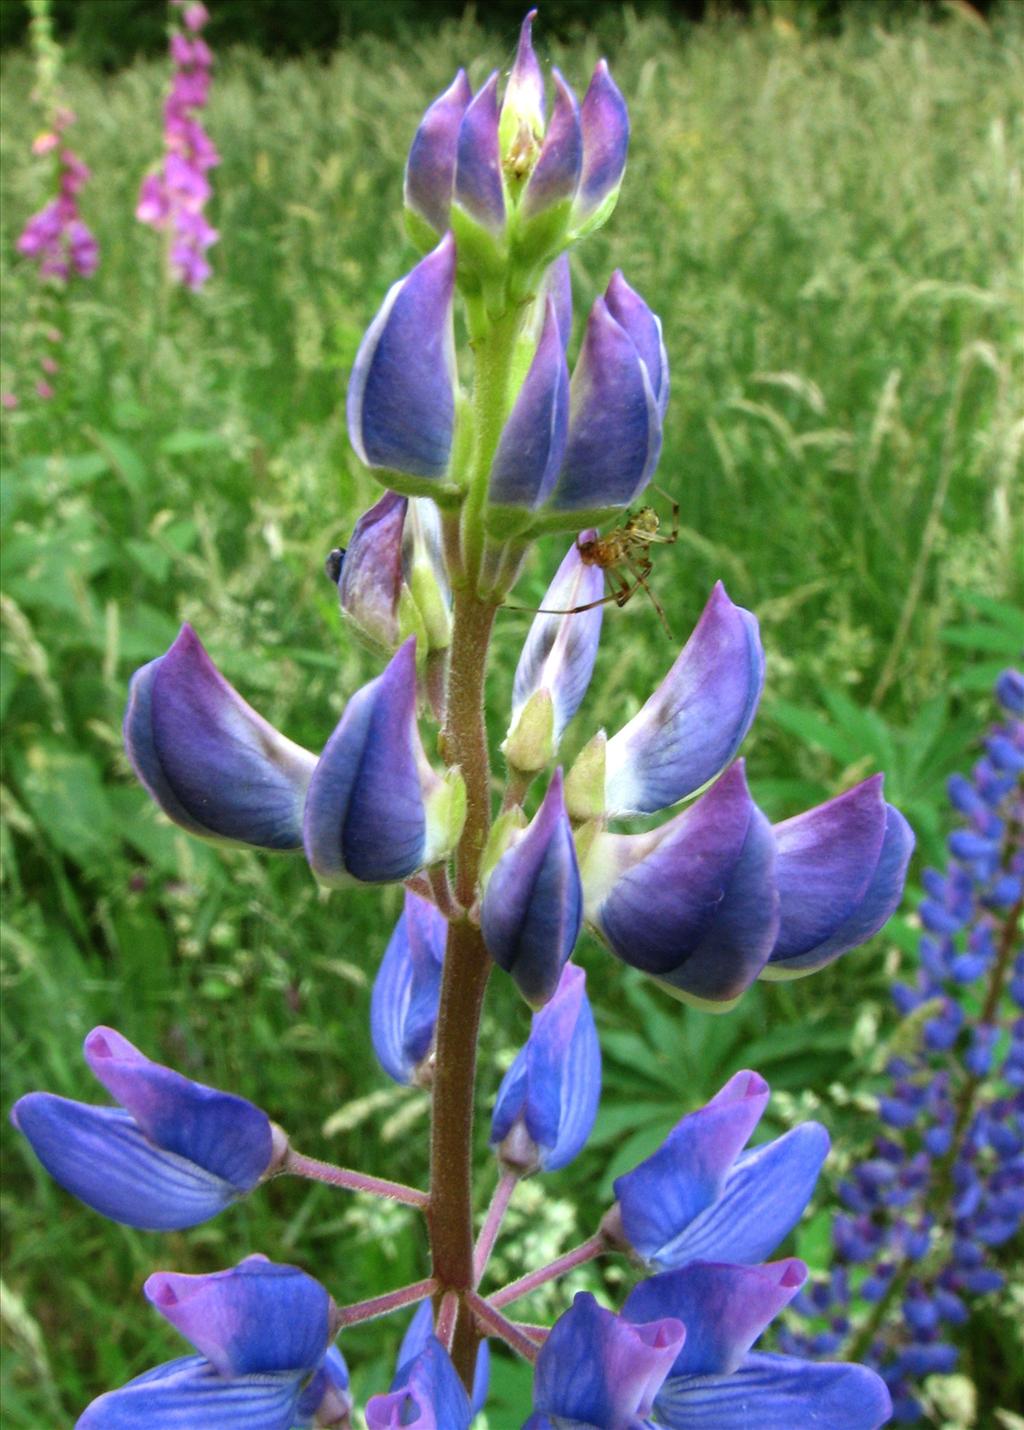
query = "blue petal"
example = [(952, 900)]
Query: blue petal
[(564, 1060), (558, 167), (222, 1134), (560, 650), (370, 581), (724, 1309), (631, 312), (614, 425), (100, 1155), (878, 903), (365, 816), (257, 1318), (688, 1172), (187, 1393), (599, 1369), (406, 991), (479, 187), (430, 171), (208, 759), (605, 123), (776, 1393), (401, 395), (532, 441), (696, 906), (694, 723), (554, 1085), (532, 907), (524, 93), (419, 1332), (426, 1392), (826, 859), (763, 1199), (327, 1394), (558, 287)]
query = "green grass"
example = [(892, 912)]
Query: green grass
[(830, 231)]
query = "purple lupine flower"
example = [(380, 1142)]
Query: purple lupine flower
[(213, 764), (693, 903), (716, 897), (556, 662), (700, 1197), (532, 444), (426, 1392), (615, 421), (262, 1331), (401, 395), (532, 906), (693, 724), (598, 1371), (941, 1190), (172, 198), (406, 991), (391, 578), (679, 1352), (505, 180), (172, 1155), (548, 1099), (375, 810), (840, 873), (419, 1332)]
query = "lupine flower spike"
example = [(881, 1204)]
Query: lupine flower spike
[(927, 1212), (478, 457)]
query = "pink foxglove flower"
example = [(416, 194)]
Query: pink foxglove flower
[(173, 196), (56, 237)]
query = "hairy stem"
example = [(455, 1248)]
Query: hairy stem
[(383, 1305), (492, 1222), (466, 968), (494, 1323), (316, 1171), (579, 1256)]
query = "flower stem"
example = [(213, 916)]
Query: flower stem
[(316, 1171), (493, 1321), (390, 1301), (579, 1256), (466, 968), (492, 1222)]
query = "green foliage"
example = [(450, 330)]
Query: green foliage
[(829, 229)]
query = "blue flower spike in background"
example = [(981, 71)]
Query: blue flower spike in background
[(615, 820), (926, 1213)]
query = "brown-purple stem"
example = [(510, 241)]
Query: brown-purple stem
[(579, 1256), (492, 1222), (316, 1171), (492, 1322), (383, 1305), (466, 968)]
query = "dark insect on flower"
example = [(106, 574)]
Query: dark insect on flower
[(332, 564), (623, 555)]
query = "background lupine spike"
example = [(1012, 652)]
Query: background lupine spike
[(924, 1213)]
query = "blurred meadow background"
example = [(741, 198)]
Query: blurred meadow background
[(828, 222)]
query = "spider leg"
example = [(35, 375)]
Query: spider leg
[(620, 597), (641, 570), (674, 533)]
